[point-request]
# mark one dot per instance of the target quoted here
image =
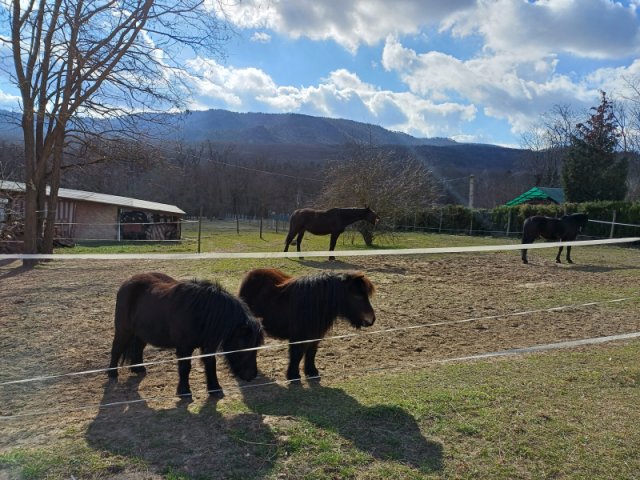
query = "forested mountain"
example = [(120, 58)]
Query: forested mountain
[(196, 154)]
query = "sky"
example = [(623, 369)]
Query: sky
[(471, 70)]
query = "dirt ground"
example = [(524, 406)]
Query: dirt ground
[(58, 318)]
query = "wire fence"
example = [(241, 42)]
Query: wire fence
[(197, 234)]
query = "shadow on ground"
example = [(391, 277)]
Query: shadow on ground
[(385, 432), (209, 445), (178, 441)]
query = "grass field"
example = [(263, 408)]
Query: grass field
[(385, 407)]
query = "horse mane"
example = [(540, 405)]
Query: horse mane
[(219, 312)]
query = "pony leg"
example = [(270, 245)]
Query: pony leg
[(559, 252), (310, 369), (213, 387), (296, 352), (137, 347), (184, 368)]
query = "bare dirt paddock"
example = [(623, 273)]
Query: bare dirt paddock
[(58, 318)]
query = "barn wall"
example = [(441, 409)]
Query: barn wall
[(96, 221)]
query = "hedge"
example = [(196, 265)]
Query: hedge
[(460, 219)]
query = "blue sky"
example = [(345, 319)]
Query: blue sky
[(472, 70)]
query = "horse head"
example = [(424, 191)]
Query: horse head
[(371, 216), (357, 308)]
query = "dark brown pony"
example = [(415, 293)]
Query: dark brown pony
[(304, 308), (326, 222), (564, 229), (156, 309)]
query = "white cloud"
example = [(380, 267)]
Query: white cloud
[(503, 85), (261, 37), (341, 95), (9, 102), (586, 28), (349, 23)]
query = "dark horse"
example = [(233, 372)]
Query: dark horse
[(564, 229), (325, 222), (304, 308), (156, 309)]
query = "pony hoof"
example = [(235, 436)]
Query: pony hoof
[(139, 370), (312, 373), (525, 262)]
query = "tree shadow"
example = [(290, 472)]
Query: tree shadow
[(177, 440), (12, 271), (386, 432)]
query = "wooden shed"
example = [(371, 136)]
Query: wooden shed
[(91, 216)]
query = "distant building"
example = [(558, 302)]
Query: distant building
[(539, 195), (97, 216)]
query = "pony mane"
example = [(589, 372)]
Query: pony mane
[(219, 313), (319, 298)]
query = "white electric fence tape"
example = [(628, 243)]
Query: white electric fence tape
[(337, 253)]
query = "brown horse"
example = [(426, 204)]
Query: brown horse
[(565, 229), (326, 222), (304, 308), (156, 309)]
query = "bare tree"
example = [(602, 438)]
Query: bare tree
[(546, 144), (394, 186), (81, 67)]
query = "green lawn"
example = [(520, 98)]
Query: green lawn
[(556, 415)]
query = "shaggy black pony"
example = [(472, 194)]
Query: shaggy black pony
[(156, 309), (304, 308), (564, 229), (325, 222)]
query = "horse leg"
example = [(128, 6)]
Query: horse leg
[(310, 369), (184, 368), (332, 244), (569, 254), (137, 347), (289, 239), (559, 252), (299, 239), (296, 352), (213, 387)]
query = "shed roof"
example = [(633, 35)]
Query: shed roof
[(94, 197), (556, 195)]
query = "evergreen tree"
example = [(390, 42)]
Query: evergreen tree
[(593, 169)]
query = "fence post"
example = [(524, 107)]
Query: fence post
[(509, 223), (199, 229), (261, 227), (613, 224), (440, 225), (471, 224)]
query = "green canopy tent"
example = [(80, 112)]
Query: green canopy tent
[(539, 195)]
